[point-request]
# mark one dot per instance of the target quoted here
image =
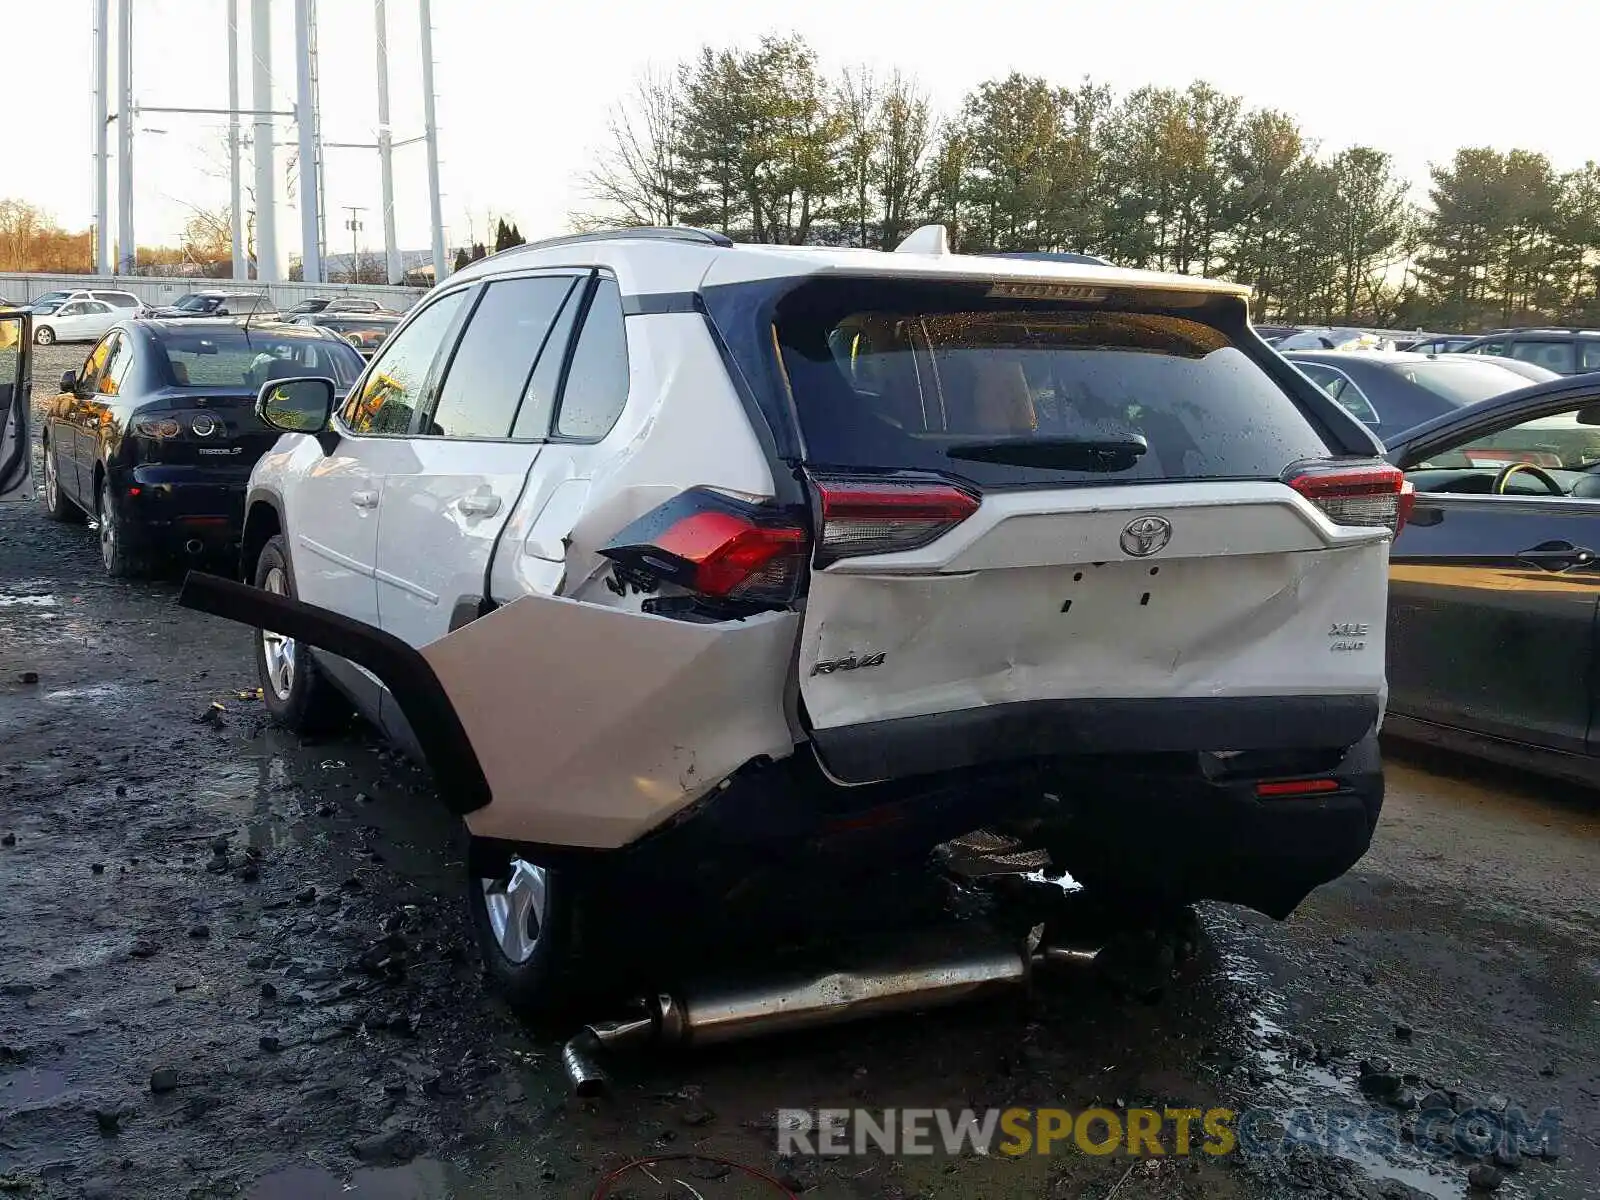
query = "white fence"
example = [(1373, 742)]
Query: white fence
[(18, 287)]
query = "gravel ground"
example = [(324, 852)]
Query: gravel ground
[(235, 964)]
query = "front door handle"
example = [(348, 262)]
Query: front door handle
[(1557, 556), (364, 499), (481, 505)]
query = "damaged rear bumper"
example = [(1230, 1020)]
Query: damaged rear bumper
[(1168, 826)]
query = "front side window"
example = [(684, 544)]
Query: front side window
[(596, 388), (489, 371), (394, 387), (1558, 356), (1497, 347), (94, 366), (1566, 441), (77, 308), (198, 304)]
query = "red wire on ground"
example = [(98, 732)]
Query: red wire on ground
[(604, 1188)]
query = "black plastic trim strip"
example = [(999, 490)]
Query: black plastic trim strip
[(402, 669), (905, 746), (648, 304)]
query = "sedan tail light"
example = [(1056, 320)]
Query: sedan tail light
[(1364, 494)]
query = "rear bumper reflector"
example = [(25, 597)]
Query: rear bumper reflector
[(1284, 788)]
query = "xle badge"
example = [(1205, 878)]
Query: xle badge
[(828, 666), (1348, 635)]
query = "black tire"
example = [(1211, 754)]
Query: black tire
[(310, 703), (56, 504), (119, 561), (44, 336), (546, 984)]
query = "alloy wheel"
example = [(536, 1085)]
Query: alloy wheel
[(277, 650), (517, 904), (108, 527)]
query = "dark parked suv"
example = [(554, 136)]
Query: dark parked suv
[(1564, 351)]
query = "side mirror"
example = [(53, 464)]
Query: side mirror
[(296, 405), (69, 381)]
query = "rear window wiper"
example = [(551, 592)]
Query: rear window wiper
[(1058, 453)]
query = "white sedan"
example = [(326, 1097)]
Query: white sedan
[(73, 321)]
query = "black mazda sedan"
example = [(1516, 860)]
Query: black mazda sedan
[(155, 435)]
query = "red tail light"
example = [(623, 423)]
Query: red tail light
[(870, 514), (1367, 494), (717, 546)]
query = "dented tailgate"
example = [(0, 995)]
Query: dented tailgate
[(1031, 629)]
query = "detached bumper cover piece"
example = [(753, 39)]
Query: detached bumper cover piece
[(557, 722), (403, 670)]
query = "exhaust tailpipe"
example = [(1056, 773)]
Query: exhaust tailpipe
[(787, 1000), (194, 547)]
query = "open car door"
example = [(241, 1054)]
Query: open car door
[(16, 337)]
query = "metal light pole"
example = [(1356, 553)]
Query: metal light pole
[(430, 131), (127, 248), (268, 269), (102, 117), (391, 245), (353, 224), (241, 262), (305, 120)]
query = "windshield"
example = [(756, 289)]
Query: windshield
[(193, 303), (934, 378), (243, 359), (48, 307), (1461, 382)]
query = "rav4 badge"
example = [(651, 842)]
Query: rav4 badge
[(828, 666)]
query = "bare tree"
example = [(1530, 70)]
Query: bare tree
[(905, 140), (858, 106), (638, 181)]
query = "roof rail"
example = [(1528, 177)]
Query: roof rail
[(658, 233)]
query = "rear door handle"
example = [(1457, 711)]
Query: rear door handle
[(1557, 556), (364, 499), (482, 505)]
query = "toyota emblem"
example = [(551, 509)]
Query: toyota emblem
[(1144, 536)]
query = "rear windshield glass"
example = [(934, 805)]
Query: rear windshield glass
[(1462, 381), (244, 360), (1016, 396)]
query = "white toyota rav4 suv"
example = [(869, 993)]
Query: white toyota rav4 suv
[(682, 561)]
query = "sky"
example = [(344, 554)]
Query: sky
[(524, 86)]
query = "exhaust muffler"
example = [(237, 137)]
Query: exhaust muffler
[(899, 980), (194, 547)]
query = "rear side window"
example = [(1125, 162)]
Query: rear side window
[(1038, 395), (1558, 356), (597, 381), (1461, 380), (489, 371)]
